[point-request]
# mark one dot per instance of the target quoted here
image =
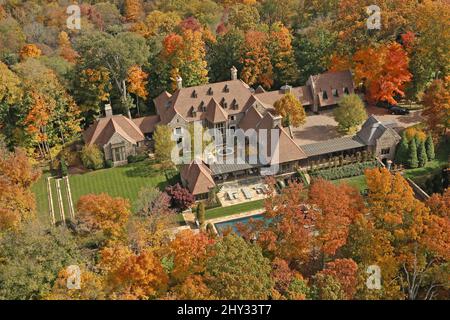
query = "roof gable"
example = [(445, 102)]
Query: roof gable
[(198, 177), (215, 113), (235, 93), (101, 131)]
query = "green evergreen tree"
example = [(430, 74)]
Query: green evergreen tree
[(63, 167), (429, 145), (402, 152), (201, 213), (422, 154), (413, 162)]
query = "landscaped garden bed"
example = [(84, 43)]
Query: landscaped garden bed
[(345, 171)]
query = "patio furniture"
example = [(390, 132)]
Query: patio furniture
[(247, 194), (229, 195)]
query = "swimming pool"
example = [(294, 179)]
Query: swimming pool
[(220, 226)]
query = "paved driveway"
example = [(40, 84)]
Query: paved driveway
[(402, 121), (322, 127)]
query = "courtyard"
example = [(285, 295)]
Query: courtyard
[(243, 190), (321, 127)]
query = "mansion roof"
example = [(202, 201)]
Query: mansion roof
[(235, 96), (232, 95), (101, 131)]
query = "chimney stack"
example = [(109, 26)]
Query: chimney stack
[(234, 73), (286, 89), (108, 111), (179, 82), (277, 121)]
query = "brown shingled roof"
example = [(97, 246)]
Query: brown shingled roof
[(251, 119), (325, 82), (147, 124), (101, 131), (288, 150), (215, 113), (303, 94), (185, 98), (198, 177)]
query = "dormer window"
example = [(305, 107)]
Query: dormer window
[(234, 104), (210, 91), (346, 91), (225, 105), (335, 93), (194, 94), (324, 95), (193, 112), (202, 107), (226, 88), (168, 103)]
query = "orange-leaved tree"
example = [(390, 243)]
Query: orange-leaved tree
[(335, 207), (383, 70), (437, 106), (29, 51), (132, 276), (257, 67), (17, 203), (103, 213)]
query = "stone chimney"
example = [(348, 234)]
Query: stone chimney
[(286, 89), (108, 111), (179, 82), (277, 121), (233, 73)]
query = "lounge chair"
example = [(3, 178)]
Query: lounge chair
[(248, 195)]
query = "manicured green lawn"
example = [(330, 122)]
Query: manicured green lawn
[(123, 182), (238, 208), (358, 182), (420, 175), (40, 192)]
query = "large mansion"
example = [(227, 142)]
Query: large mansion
[(231, 105)]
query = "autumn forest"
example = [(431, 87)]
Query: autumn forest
[(316, 242)]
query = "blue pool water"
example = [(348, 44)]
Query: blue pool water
[(220, 226)]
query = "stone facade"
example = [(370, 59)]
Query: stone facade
[(118, 149), (386, 145)]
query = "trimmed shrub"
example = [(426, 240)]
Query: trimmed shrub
[(92, 157), (422, 154), (108, 164), (413, 162), (401, 154), (63, 167), (201, 217), (429, 146), (136, 158)]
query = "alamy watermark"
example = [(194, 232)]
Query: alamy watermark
[(373, 282), (73, 281), (229, 147), (374, 19), (73, 21)]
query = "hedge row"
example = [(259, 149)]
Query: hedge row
[(347, 171)]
